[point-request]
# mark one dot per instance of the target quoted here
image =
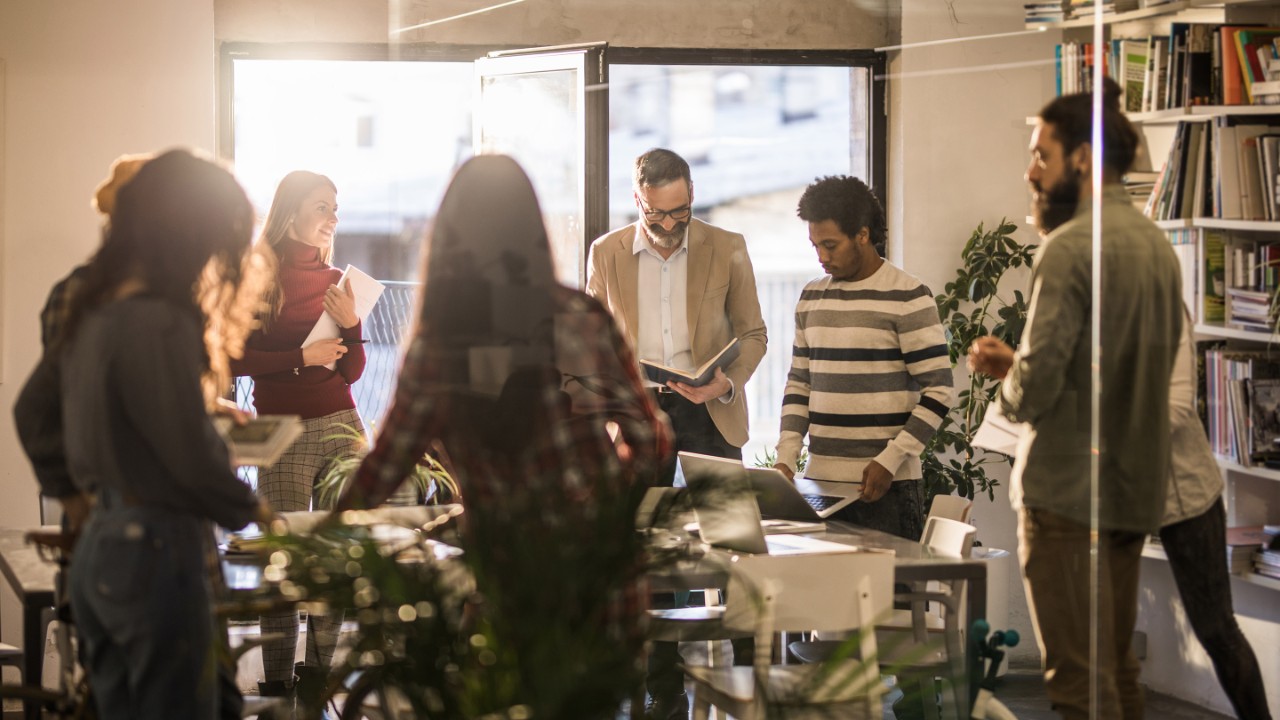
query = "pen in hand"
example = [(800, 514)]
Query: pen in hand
[(354, 342)]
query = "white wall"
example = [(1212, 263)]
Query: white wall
[(84, 82), (759, 24), (958, 142)]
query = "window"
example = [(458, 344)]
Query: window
[(756, 128)]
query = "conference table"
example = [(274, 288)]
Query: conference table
[(913, 562), (32, 578)]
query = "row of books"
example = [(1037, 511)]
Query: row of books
[(1195, 64), (1241, 404), (1254, 548), (1228, 279), (1221, 170)]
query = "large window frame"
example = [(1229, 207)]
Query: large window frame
[(597, 142)]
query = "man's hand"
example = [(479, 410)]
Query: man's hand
[(875, 481), (786, 470), (991, 356), (718, 386)]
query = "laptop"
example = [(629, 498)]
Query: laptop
[(729, 518), (779, 498)]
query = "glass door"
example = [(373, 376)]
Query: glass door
[(548, 109)]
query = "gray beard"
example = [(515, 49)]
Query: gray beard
[(664, 240)]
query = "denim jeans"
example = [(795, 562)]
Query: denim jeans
[(141, 601)]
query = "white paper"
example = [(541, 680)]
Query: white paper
[(366, 291), (998, 433)]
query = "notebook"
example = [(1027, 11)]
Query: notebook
[(779, 498)]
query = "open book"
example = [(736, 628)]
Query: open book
[(366, 291), (262, 440), (661, 374)]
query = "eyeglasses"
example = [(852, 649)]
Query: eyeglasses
[(679, 214)]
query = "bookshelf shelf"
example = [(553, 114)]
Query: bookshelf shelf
[(1171, 8), (1258, 472), (1153, 551), (1201, 113), (1226, 333), (1261, 580), (1219, 224)]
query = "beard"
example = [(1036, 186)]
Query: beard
[(1057, 204), (664, 239)]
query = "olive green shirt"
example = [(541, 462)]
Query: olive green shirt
[(1050, 386)]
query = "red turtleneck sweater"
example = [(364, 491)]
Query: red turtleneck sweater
[(281, 385)]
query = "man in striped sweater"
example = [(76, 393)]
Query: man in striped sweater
[(870, 378)]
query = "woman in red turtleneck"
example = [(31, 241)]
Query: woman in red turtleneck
[(295, 380)]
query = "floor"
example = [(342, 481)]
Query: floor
[(1021, 690)]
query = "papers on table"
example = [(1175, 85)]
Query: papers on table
[(366, 291), (998, 433)]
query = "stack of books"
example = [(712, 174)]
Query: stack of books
[(1244, 543), (1267, 560), (1044, 12)]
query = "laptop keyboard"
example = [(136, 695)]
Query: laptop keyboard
[(821, 502)]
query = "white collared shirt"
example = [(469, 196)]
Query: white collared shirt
[(662, 289)]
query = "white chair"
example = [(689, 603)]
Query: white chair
[(910, 645), (775, 593), (951, 507)]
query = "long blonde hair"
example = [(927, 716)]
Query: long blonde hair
[(290, 194)]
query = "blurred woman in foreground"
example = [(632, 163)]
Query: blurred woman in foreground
[(144, 355), (530, 395)]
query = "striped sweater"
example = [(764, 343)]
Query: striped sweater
[(870, 377)]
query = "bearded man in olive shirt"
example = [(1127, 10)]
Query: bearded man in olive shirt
[(1049, 384)]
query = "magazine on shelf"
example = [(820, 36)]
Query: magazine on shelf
[(260, 441), (662, 374)]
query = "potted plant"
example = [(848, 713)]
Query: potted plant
[(428, 482), (971, 307)]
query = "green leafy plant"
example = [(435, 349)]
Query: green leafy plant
[(971, 307), (429, 479), (768, 459), (527, 622)]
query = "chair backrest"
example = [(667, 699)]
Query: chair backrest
[(951, 507), (836, 591), (948, 538), (809, 592)]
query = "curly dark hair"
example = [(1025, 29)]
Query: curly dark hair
[(182, 228), (1071, 119), (849, 202)]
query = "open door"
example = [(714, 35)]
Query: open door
[(548, 109)]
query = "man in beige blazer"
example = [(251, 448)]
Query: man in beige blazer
[(719, 300), (680, 290)]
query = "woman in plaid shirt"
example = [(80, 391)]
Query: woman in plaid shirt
[(525, 389)]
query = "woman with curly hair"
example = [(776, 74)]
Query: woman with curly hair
[(144, 355)]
